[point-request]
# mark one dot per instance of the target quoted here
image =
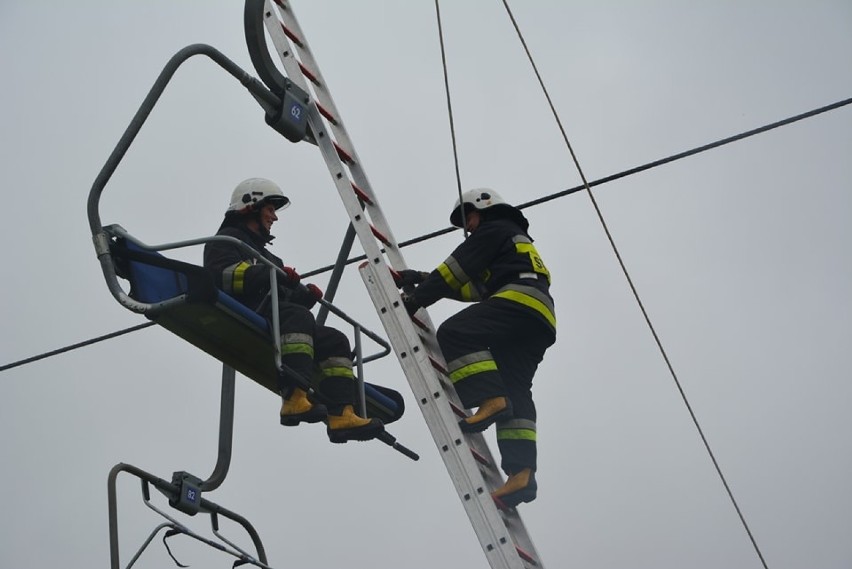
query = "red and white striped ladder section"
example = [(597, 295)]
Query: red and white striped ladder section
[(467, 457)]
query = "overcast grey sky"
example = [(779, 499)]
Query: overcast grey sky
[(741, 255)]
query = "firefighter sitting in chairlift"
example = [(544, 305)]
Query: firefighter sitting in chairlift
[(308, 349)]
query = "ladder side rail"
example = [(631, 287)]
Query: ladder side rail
[(322, 138), (498, 536), (476, 440), (475, 496), (286, 47), (319, 127), (353, 207), (299, 45), (489, 468)]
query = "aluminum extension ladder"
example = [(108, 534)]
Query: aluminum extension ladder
[(468, 459)]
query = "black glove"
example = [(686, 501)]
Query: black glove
[(408, 277), (409, 301)]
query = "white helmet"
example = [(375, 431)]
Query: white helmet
[(480, 198), (253, 193)]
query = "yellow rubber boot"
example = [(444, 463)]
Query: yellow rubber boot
[(489, 412), (350, 427), (519, 487), (297, 408)]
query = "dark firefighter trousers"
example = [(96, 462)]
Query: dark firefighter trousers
[(493, 349), (320, 355)]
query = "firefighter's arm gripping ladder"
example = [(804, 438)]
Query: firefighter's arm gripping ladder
[(468, 460)]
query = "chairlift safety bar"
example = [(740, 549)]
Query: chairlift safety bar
[(142, 307)]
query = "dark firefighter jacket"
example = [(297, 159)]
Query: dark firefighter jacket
[(240, 275), (497, 260)]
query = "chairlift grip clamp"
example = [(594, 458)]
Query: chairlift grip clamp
[(290, 118), (188, 499)]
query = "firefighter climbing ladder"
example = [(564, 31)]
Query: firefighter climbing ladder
[(468, 460)]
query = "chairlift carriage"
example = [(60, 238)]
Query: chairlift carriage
[(182, 298)]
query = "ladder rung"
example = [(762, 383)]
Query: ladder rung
[(293, 37), (328, 116), (525, 555), (480, 458), (343, 154), (311, 77), (380, 236), (419, 323), (458, 411), (438, 366), (472, 472), (361, 194)]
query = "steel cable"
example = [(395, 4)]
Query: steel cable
[(77, 345), (450, 110), (635, 292), (535, 202)]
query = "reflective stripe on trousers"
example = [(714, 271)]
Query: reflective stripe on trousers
[(297, 343), (471, 364)]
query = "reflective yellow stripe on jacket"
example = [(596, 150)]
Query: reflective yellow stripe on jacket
[(468, 293), (524, 246), (530, 297), (453, 274), (233, 278)]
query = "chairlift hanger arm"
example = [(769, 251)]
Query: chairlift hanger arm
[(271, 104), (267, 100)]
